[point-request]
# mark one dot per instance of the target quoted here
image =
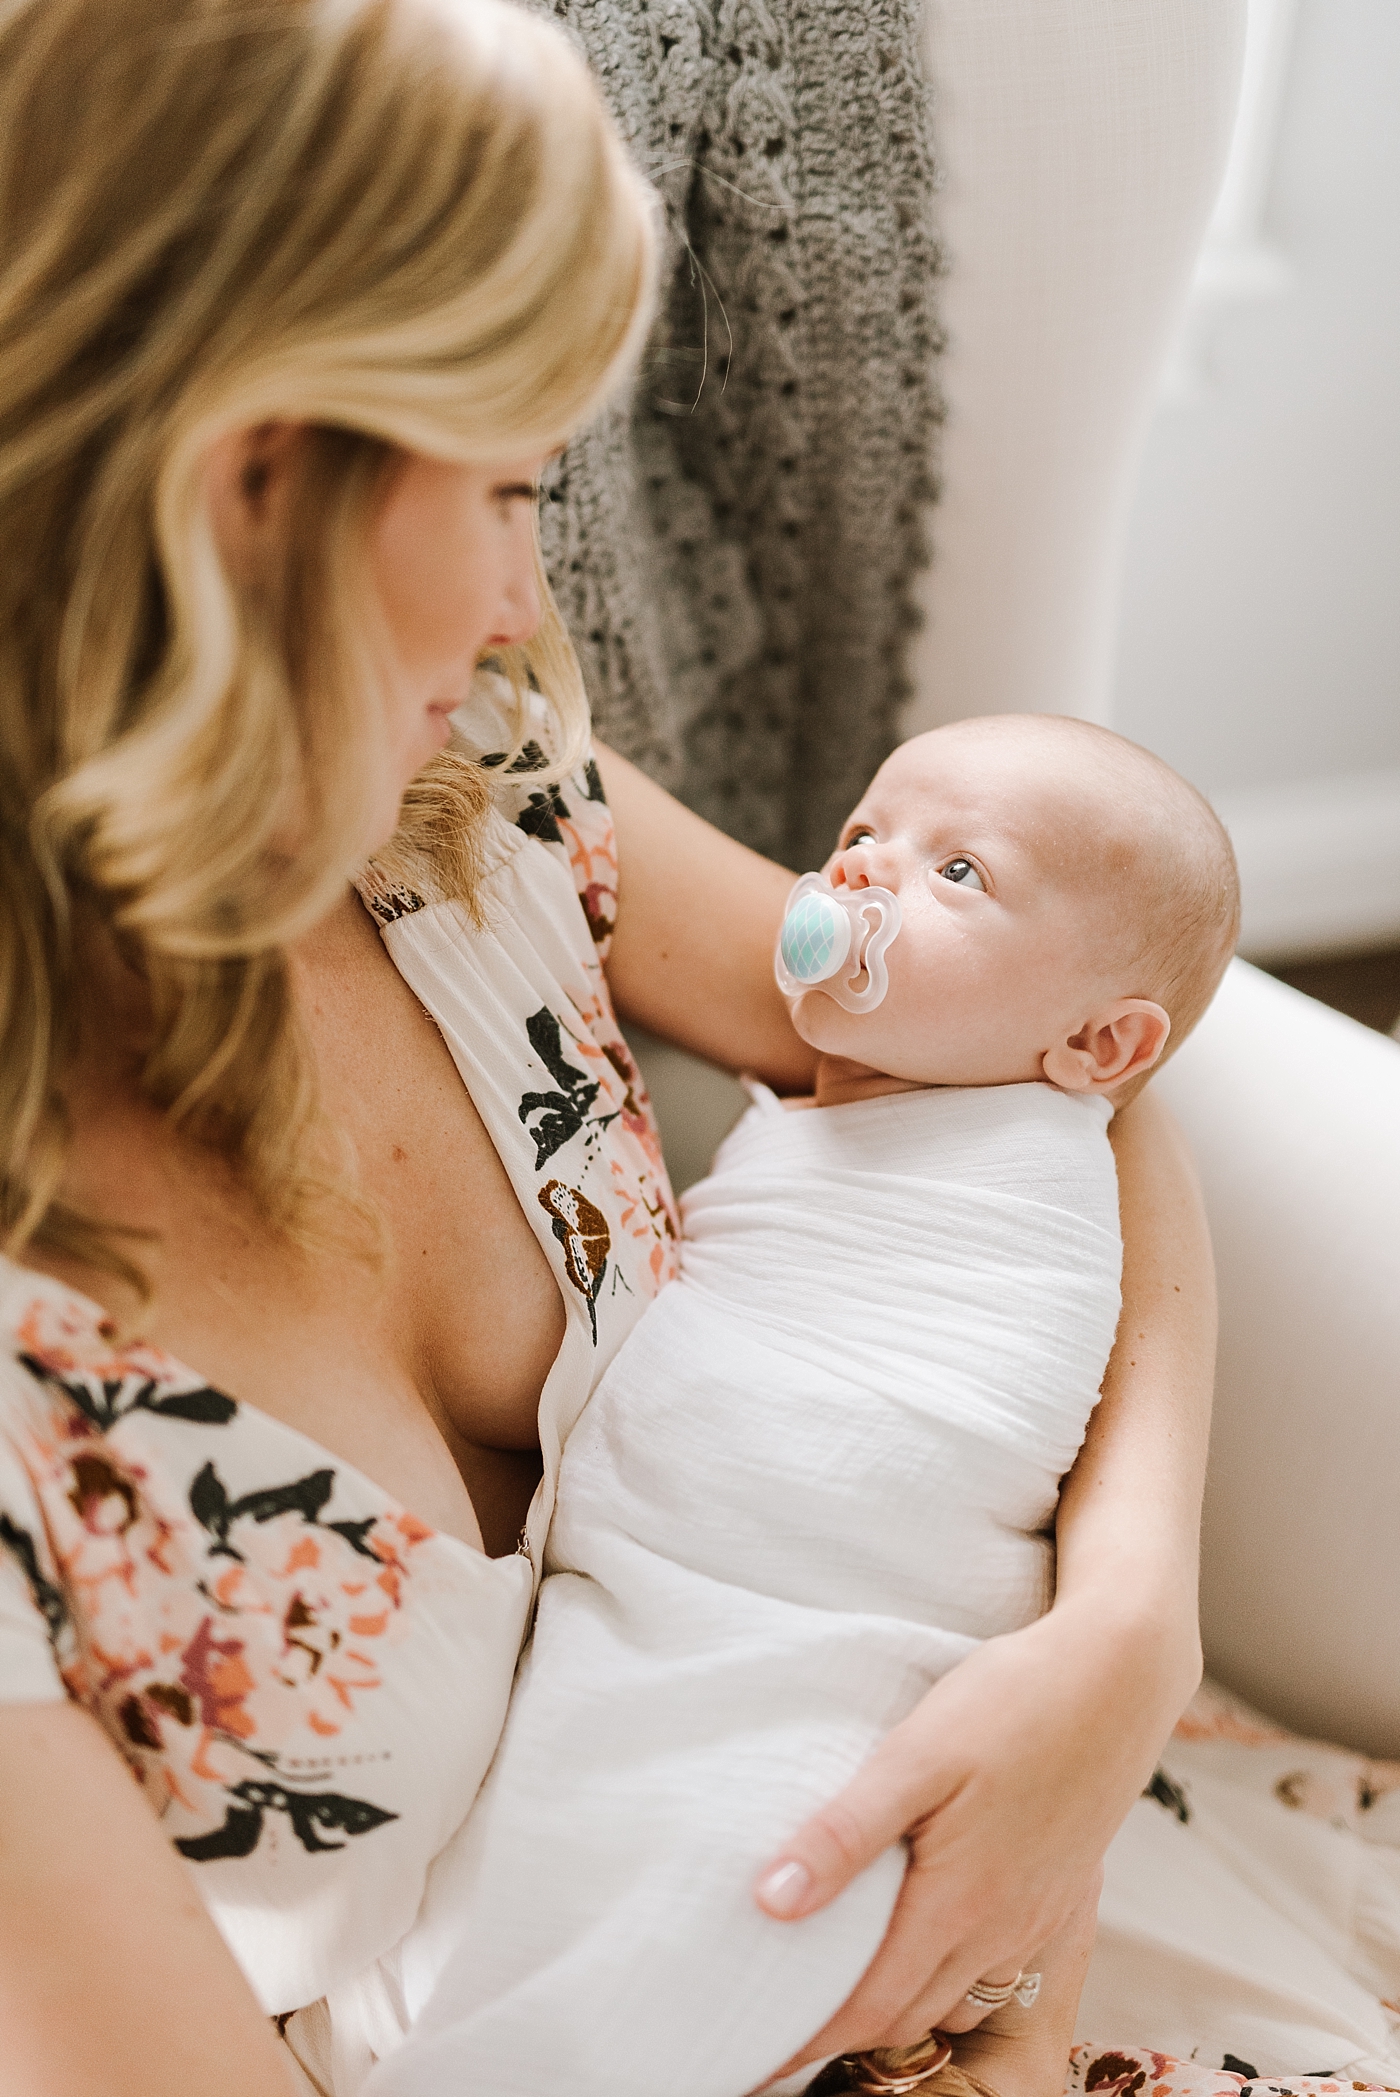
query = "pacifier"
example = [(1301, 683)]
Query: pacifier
[(831, 936)]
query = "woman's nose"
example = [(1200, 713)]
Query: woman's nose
[(518, 617), (518, 612)]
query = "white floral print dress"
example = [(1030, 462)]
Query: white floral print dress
[(307, 1681)]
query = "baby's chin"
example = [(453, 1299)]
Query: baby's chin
[(817, 1018), (828, 1027), (860, 1040)]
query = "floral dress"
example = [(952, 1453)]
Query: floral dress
[(306, 1680)]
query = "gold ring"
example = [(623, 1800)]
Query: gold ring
[(891, 2071)]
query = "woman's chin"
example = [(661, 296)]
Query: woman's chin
[(383, 827), (388, 813)]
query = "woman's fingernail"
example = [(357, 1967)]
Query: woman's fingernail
[(784, 1889)]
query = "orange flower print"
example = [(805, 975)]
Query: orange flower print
[(216, 1675), (213, 1631)]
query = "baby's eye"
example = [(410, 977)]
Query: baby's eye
[(857, 836), (963, 872)]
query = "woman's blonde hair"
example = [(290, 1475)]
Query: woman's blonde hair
[(408, 224)]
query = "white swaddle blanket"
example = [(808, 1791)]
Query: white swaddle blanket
[(820, 1470)]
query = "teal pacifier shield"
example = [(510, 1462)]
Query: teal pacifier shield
[(816, 935)]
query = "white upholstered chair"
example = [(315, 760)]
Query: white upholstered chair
[(1083, 141)]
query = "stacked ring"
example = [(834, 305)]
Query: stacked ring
[(990, 1995)]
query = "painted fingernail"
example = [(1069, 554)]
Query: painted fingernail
[(783, 1889)]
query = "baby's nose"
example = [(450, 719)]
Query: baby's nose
[(856, 868)]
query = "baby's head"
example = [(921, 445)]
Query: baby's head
[(1068, 905)]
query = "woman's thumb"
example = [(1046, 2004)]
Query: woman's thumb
[(837, 1843)]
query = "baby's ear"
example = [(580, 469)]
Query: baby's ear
[(1120, 1042)]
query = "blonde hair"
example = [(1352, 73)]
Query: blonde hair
[(408, 224)]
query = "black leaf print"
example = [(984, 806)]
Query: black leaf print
[(327, 1809), (593, 783), (563, 1113), (529, 758), (206, 1407), (215, 1512), (355, 1534), (560, 1120), (541, 817), (307, 1811), (47, 1598), (209, 1502), (546, 1038), (1169, 1794), (106, 1399), (238, 1837)]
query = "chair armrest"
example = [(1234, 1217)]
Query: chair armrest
[(1294, 1116)]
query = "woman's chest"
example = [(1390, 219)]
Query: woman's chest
[(468, 1304), (413, 1336)]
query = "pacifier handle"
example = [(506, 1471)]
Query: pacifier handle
[(831, 936)]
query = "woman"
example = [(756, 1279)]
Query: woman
[(296, 304)]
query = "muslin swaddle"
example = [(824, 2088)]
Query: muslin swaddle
[(822, 1468)]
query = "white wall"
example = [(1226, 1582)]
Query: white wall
[(1259, 646)]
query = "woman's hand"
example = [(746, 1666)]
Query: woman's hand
[(1008, 1782), (1011, 1776)]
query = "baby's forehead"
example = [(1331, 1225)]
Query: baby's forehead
[(1034, 793)]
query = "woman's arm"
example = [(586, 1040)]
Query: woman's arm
[(1011, 1777), (112, 1976), (697, 919)]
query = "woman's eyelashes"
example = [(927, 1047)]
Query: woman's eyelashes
[(962, 871), (509, 492)]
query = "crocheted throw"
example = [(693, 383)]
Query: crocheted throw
[(733, 546)]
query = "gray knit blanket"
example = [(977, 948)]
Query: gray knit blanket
[(733, 545)]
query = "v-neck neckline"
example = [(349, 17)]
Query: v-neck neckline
[(19, 1285)]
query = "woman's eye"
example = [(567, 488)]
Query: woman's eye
[(510, 493), (964, 873)]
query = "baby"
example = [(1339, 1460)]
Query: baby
[(826, 1464)]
